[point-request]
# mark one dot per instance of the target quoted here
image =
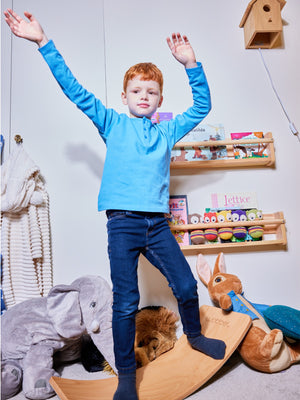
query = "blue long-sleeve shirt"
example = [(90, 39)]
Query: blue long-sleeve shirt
[(137, 166)]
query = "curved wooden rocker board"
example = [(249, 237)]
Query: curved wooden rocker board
[(175, 374)]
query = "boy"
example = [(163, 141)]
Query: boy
[(135, 188)]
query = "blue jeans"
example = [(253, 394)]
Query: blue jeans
[(130, 234)]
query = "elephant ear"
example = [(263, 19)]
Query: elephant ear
[(64, 311)]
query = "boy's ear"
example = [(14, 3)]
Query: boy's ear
[(160, 101), (124, 98)]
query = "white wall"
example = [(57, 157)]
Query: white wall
[(70, 153)]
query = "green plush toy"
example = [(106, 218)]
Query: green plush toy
[(256, 232)]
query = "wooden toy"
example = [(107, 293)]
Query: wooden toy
[(262, 23), (175, 374)]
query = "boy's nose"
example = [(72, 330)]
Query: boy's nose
[(144, 95)]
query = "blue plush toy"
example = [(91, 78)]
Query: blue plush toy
[(285, 318)]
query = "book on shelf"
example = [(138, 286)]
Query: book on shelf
[(178, 215), (253, 150), (200, 153), (159, 116)]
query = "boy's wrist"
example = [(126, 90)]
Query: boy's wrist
[(191, 64), (43, 41)]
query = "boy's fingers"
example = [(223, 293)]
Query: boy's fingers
[(15, 15), (170, 44), (29, 16)]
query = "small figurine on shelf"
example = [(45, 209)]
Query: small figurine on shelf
[(197, 235), (239, 232), (254, 232), (211, 234), (225, 234)]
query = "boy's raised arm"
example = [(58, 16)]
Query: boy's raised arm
[(182, 50), (31, 30)]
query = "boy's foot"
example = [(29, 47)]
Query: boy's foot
[(126, 388), (211, 347)]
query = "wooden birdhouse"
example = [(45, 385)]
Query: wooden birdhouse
[(262, 23)]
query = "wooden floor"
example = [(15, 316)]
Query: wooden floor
[(174, 375)]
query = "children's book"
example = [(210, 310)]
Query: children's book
[(253, 150), (199, 153), (179, 216), (158, 117)]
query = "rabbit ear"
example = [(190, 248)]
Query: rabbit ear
[(203, 270), (220, 264)]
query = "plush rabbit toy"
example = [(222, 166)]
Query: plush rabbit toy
[(262, 348)]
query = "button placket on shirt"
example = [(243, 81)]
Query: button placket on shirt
[(145, 122)]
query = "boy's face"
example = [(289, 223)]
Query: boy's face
[(142, 97)]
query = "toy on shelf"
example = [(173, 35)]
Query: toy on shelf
[(274, 234), (220, 232), (211, 233), (255, 232), (239, 233), (262, 348), (225, 234), (197, 235)]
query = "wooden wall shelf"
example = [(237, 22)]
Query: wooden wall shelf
[(274, 236), (230, 162)]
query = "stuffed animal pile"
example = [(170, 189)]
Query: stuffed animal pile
[(74, 322)]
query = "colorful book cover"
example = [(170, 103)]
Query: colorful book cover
[(179, 216), (158, 117), (231, 201), (253, 150), (196, 153)]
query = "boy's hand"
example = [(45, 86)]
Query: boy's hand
[(31, 30), (182, 50)]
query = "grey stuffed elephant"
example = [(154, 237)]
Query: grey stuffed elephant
[(37, 331)]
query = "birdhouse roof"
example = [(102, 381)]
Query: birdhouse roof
[(249, 7)]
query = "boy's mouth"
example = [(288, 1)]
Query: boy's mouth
[(143, 105)]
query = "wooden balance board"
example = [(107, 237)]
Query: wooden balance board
[(175, 374)]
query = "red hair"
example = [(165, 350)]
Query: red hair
[(147, 72)]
